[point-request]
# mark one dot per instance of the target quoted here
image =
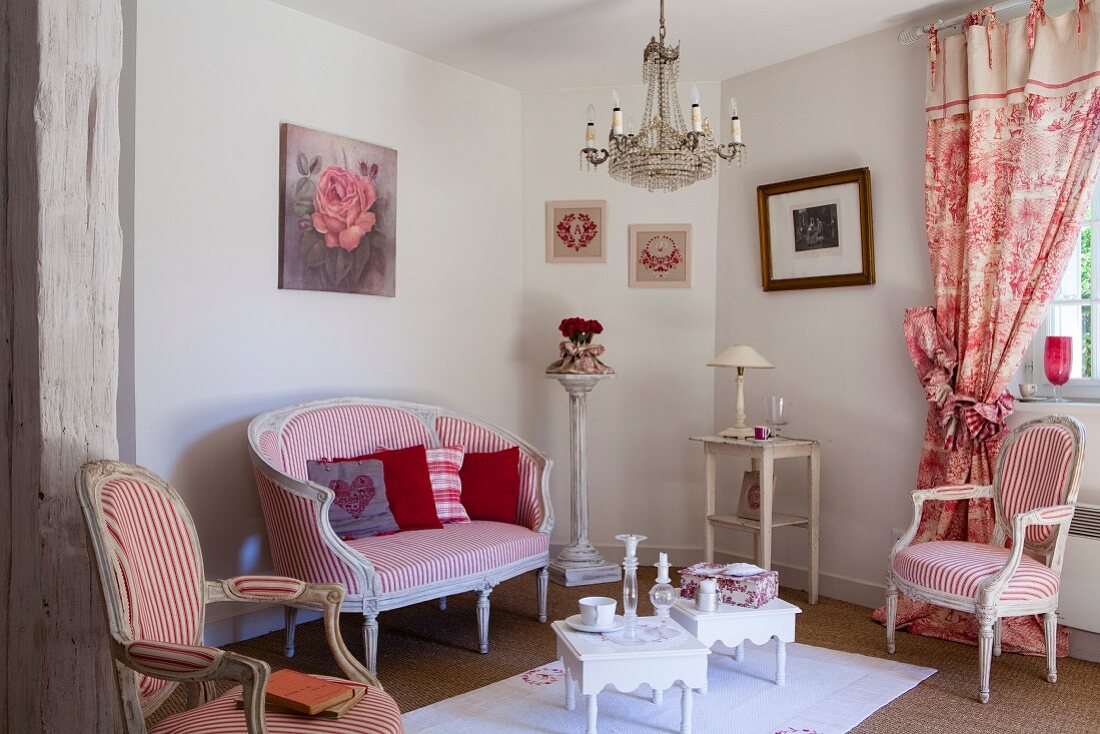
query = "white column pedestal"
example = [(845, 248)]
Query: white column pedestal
[(579, 563)]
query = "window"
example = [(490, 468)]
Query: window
[(1074, 312)]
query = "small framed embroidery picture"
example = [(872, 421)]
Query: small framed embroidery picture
[(575, 231), (660, 255)]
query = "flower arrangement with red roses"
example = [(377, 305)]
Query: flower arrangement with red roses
[(578, 330)]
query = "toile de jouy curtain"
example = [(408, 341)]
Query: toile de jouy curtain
[(1011, 158)]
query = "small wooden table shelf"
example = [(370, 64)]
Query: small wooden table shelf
[(763, 454)]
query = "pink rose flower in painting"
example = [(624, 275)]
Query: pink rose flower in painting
[(342, 205)]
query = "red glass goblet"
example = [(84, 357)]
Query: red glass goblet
[(1057, 361)]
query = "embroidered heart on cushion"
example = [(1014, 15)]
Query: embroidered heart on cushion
[(353, 498)]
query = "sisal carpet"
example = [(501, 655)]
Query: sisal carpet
[(427, 655)]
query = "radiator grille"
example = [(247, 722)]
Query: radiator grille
[(1086, 522)]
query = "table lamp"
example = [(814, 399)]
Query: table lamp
[(742, 357)]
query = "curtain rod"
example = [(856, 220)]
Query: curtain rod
[(914, 33)]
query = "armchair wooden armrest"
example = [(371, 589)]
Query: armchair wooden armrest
[(197, 664), (282, 590), (990, 589), (939, 494)]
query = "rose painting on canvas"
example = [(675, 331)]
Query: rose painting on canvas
[(338, 213)]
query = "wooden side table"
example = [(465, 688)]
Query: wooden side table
[(763, 455)]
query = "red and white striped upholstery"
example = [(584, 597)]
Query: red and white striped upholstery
[(266, 588), (156, 568), (958, 568), (297, 545), (416, 558), (1034, 473), (164, 657), (340, 431), (476, 440), (443, 466), (377, 713)]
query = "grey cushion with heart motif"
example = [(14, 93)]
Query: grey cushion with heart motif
[(360, 508)]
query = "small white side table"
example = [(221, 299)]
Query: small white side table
[(763, 455), (593, 662), (733, 626)]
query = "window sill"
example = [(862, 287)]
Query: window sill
[(1071, 407)]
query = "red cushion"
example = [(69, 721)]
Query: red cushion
[(408, 487), (490, 485)]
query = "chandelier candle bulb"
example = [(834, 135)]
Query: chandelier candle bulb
[(590, 128), (696, 111), (616, 114), (735, 122)]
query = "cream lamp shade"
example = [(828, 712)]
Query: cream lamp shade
[(743, 357)]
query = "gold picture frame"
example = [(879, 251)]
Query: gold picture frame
[(817, 232)]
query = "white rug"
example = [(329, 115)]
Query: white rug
[(827, 692)]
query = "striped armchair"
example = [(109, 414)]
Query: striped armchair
[(150, 570), (388, 572), (1034, 490)]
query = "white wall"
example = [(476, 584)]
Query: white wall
[(644, 475), (839, 353), (216, 341)]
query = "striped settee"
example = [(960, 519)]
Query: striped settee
[(409, 567)]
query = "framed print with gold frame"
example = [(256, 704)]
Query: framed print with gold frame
[(816, 232)]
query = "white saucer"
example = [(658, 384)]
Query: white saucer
[(576, 623), (1034, 399)]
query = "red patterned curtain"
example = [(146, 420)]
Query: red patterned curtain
[(1010, 163)]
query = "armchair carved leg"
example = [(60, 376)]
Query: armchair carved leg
[(370, 639), (997, 638), (290, 614), (1050, 630), (891, 614), (987, 616), (542, 582), (483, 618)]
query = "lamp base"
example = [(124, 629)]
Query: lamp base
[(737, 432)]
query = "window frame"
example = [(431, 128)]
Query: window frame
[(1031, 371)]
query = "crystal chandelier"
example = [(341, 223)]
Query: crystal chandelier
[(664, 154)]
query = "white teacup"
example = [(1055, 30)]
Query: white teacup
[(1028, 390), (598, 611)]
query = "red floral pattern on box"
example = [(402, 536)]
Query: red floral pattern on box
[(742, 591)]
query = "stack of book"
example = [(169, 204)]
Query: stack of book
[(290, 692)]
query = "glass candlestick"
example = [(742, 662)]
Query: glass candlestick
[(662, 596), (630, 590)]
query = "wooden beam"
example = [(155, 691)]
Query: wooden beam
[(61, 248)]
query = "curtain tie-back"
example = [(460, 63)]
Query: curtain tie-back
[(962, 418), (1037, 14)]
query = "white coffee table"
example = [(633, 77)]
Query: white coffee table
[(733, 626), (595, 661)]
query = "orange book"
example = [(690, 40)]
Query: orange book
[(332, 712), (304, 694)]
